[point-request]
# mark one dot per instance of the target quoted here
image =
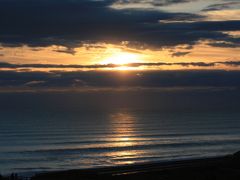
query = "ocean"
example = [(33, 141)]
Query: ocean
[(41, 137)]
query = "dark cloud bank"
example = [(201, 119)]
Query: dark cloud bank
[(116, 79), (161, 91), (71, 23)]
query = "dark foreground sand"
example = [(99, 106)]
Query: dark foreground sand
[(227, 168)]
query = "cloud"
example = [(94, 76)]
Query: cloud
[(222, 6), (116, 79), (66, 50), (232, 63), (74, 23), (224, 44), (177, 54), (101, 66), (145, 4), (34, 83)]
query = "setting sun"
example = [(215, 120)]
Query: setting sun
[(121, 58)]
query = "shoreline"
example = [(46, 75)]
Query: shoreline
[(156, 162), (222, 167)]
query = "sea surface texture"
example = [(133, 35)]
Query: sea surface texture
[(48, 142)]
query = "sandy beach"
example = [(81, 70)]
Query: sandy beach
[(220, 168)]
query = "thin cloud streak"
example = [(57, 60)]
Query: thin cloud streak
[(99, 66)]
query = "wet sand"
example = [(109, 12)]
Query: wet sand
[(219, 168)]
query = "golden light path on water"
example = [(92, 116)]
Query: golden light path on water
[(123, 126)]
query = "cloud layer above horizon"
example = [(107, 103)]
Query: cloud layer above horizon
[(143, 24)]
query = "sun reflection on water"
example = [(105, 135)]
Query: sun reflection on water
[(123, 125)]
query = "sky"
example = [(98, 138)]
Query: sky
[(59, 44)]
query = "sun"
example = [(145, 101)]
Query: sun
[(122, 58)]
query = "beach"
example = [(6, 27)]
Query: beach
[(220, 168)]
